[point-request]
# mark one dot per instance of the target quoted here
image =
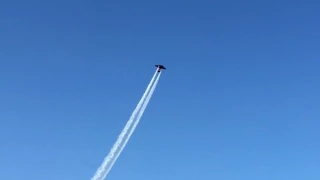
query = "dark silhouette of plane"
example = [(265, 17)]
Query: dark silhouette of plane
[(160, 66)]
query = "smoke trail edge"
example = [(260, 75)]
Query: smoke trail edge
[(133, 128), (103, 166)]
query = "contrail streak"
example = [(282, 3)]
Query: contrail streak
[(136, 122), (101, 173)]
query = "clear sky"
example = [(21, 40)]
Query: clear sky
[(239, 99)]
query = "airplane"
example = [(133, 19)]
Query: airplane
[(160, 66)]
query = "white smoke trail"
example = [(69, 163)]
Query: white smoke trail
[(136, 122), (101, 172)]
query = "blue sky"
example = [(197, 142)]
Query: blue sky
[(239, 99)]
